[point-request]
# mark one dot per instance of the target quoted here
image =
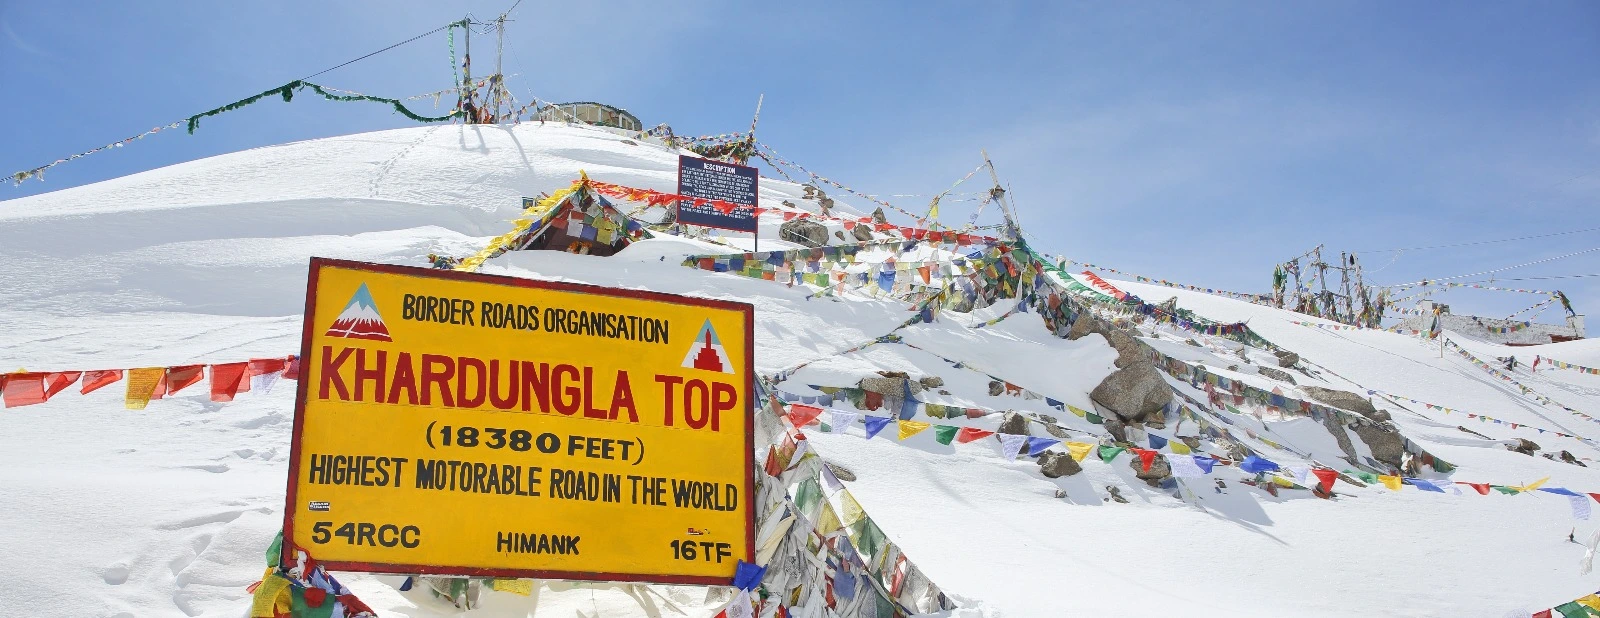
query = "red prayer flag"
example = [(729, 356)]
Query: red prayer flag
[(1543, 614), (226, 378), (1327, 477), (93, 380), (773, 467), (184, 376), (59, 381), (1146, 457), (23, 389), (1482, 488), (1595, 496), (801, 414), (968, 434), (292, 370)]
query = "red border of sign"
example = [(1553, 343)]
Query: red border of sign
[(317, 264), (755, 216)]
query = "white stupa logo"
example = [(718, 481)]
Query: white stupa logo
[(360, 319), (707, 352)]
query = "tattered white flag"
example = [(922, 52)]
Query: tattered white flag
[(1183, 466), (838, 421)]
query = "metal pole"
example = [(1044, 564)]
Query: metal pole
[(1005, 200)]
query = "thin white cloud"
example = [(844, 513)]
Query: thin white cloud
[(17, 41)]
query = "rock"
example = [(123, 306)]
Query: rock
[(883, 385), (878, 217), (862, 233), (1118, 431), (1380, 416), (1116, 494), (1193, 442), (1047, 418), (805, 232), (1335, 427), (1061, 493), (1014, 423), (1193, 343), (1135, 392), (1276, 374), (996, 388), (1081, 326), (1345, 400), (826, 203), (1384, 441), (893, 374), (1055, 464), (842, 472), (1159, 469), (943, 392), (1287, 359), (1057, 431), (1128, 350), (1237, 452), (1567, 457), (1524, 446), (1155, 421), (931, 382)]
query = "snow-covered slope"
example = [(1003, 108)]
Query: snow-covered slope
[(167, 511)]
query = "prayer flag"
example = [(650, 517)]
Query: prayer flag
[(183, 376), (911, 428), (1079, 450), (1157, 442), (1108, 453), (93, 380), (1146, 457), (1257, 465), (945, 433), (1036, 446), (226, 379), (1325, 476), (1184, 466), (22, 389), (144, 384), (1011, 445), (801, 414), (58, 381), (1179, 447), (841, 420), (968, 434), (1205, 462), (876, 424), (1392, 482)]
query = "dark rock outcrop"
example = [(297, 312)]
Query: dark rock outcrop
[(1055, 464)]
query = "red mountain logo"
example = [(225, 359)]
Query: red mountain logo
[(707, 352), (360, 319)]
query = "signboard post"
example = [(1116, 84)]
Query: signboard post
[(715, 180), (466, 424)]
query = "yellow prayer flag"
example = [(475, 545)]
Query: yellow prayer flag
[(911, 428), (1392, 482), (142, 385), (1532, 486), (1179, 448), (1591, 601), (850, 509), (828, 521), (1079, 450), (523, 587), (1078, 411), (1282, 482), (271, 598)]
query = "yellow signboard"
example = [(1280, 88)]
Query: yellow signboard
[(457, 423)]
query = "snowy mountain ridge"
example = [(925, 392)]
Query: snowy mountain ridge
[(166, 512)]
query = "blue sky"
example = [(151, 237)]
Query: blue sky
[(1198, 142)]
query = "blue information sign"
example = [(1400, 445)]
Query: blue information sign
[(715, 180)]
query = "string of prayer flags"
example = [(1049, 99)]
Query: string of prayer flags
[(1565, 365), (147, 383)]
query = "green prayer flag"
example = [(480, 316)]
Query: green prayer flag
[(299, 608), (275, 550), (807, 496), (1505, 490), (1571, 609), (1094, 418), (869, 539), (945, 433), (1108, 453)]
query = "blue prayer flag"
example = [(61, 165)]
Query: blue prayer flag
[(1157, 442), (1036, 446), (747, 576), (876, 424), (1257, 465)]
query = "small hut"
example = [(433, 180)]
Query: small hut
[(589, 112)]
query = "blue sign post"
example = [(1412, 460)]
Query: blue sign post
[(715, 180)]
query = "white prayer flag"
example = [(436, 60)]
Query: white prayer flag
[(838, 421), (1183, 466), (1011, 445)]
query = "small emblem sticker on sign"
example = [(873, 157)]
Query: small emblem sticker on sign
[(319, 506)]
